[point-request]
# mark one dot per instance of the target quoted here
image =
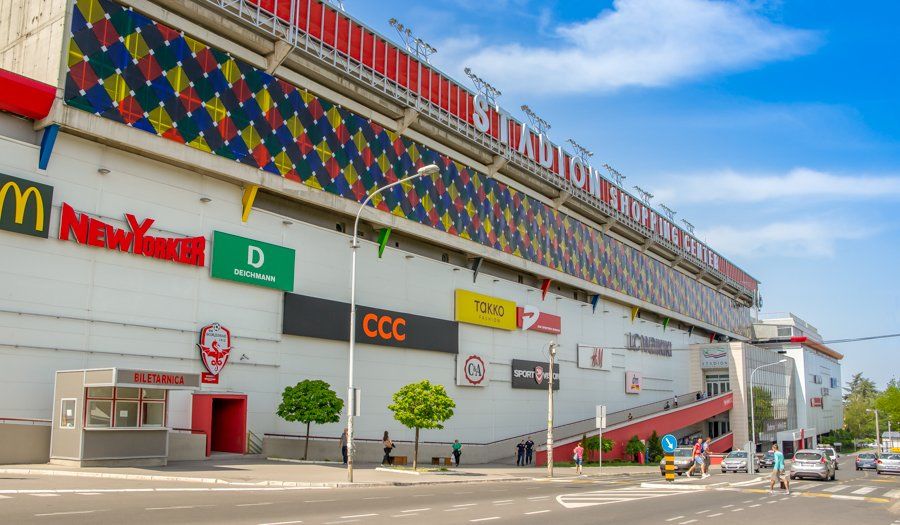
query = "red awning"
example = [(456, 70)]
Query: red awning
[(24, 96)]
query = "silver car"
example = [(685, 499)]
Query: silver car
[(736, 461), (888, 463), (810, 463), (682, 461), (865, 460), (832, 455)]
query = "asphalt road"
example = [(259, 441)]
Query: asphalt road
[(858, 498)]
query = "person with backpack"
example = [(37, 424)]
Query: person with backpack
[(388, 447)]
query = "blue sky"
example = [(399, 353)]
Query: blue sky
[(772, 126)]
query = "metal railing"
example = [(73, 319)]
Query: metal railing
[(24, 421)]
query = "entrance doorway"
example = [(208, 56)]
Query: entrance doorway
[(223, 417), (717, 384)]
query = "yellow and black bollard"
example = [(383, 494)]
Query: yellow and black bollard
[(670, 467)]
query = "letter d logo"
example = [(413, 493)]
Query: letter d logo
[(255, 256)]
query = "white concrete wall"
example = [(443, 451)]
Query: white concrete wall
[(809, 364), (69, 306)]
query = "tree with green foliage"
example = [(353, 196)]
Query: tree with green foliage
[(860, 423), (422, 405), (592, 444), (634, 447), (862, 386), (310, 401), (763, 409), (888, 405), (654, 447)]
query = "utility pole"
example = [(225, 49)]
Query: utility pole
[(553, 347), (877, 429)]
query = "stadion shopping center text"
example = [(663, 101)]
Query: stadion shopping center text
[(176, 201)]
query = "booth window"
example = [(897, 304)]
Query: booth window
[(67, 413), (125, 407)]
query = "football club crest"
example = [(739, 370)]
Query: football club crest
[(215, 347)]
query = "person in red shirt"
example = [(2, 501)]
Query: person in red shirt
[(696, 457), (578, 457)]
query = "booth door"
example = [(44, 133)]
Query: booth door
[(224, 419)]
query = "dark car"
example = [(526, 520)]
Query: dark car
[(767, 460), (866, 460)]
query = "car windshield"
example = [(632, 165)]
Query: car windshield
[(829, 452), (867, 456), (682, 452), (770, 454), (737, 455), (893, 457), (808, 456)]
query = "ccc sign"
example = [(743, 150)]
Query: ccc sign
[(25, 206), (384, 327)]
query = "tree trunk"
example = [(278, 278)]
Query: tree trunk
[(416, 451), (306, 449)]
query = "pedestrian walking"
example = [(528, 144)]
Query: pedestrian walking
[(457, 450), (667, 406), (778, 472), (520, 454), (704, 450), (388, 447), (344, 445), (696, 457), (578, 457), (675, 401), (630, 417), (529, 451)]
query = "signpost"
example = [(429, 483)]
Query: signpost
[(669, 444), (601, 424)]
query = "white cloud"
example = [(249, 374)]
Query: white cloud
[(730, 186), (801, 238), (642, 43)]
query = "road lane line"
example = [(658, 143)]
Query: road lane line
[(465, 505), (675, 518), (737, 509), (538, 497), (754, 505), (253, 504), (179, 507), (837, 488), (422, 495), (357, 516), (88, 493), (416, 510), (727, 506), (318, 500), (686, 522), (67, 513), (485, 519), (714, 515), (703, 511), (378, 497), (502, 501), (895, 494), (536, 512), (281, 523), (403, 515), (454, 510), (44, 495), (863, 490)]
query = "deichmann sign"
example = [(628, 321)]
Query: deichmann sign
[(484, 310), (25, 206), (533, 375), (94, 232), (592, 358), (325, 319), (648, 345), (471, 370), (530, 318), (248, 261)]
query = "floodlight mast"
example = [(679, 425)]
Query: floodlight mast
[(490, 93), (414, 45)]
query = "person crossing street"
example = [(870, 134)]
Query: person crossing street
[(778, 471)]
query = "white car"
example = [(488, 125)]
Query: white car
[(736, 461), (832, 454), (888, 463)]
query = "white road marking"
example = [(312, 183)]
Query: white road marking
[(536, 512), (863, 490), (703, 511), (66, 513), (336, 522), (253, 504), (466, 492), (714, 515), (465, 505), (737, 509), (749, 501), (538, 497), (378, 497), (727, 506), (179, 507), (686, 522), (421, 495), (675, 518), (485, 519), (357, 516), (502, 501), (44, 495), (609, 496), (895, 494), (754, 505), (5, 497), (88, 493), (281, 523), (836, 488), (318, 500), (403, 515), (454, 510), (416, 510)]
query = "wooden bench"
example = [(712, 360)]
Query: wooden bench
[(440, 460)]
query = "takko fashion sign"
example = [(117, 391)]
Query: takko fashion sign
[(248, 261), (484, 310), (85, 229)]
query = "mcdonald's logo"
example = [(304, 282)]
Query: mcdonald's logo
[(25, 206)]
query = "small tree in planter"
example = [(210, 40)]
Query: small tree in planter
[(422, 405), (310, 401), (654, 446), (592, 445), (634, 447)]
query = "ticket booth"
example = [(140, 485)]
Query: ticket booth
[(113, 416)]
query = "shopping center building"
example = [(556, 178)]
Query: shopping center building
[(179, 182)]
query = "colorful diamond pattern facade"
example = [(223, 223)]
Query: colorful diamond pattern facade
[(126, 67)]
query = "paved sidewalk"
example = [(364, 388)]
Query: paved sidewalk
[(242, 471)]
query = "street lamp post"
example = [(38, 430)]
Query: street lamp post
[(553, 347), (877, 429), (430, 169), (752, 457)]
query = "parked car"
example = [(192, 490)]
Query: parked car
[(809, 463), (832, 454), (736, 461), (682, 461), (767, 460), (887, 463), (865, 460)]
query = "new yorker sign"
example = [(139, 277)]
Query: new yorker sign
[(25, 206), (248, 261)]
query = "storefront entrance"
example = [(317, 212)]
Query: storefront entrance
[(717, 384), (224, 419)]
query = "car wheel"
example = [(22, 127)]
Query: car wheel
[(793, 477), (681, 473), (757, 471)]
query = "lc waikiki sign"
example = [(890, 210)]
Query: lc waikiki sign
[(94, 232), (248, 261), (25, 206)]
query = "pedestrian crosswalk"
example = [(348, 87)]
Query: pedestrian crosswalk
[(619, 495)]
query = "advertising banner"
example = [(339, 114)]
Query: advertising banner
[(326, 319), (633, 382), (530, 318), (248, 261), (25, 206), (714, 357), (484, 310), (471, 370), (533, 374), (592, 358)]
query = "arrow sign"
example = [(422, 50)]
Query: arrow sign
[(669, 443)]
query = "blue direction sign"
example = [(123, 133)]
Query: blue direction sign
[(669, 443)]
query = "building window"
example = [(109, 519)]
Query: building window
[(784, 331), (67, 413), (125, 407)]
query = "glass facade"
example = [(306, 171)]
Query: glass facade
[(774, 398)]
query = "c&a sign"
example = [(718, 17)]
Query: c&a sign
[(471, 370), (484, 310), (25, 206)]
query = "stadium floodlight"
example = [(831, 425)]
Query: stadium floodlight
[(491, 94), (670, 213), (582, 152), (615, 174), (689, 226), (645, 195), (537, 122), (414, 45), (339, 4)]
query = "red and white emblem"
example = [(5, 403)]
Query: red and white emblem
[(474, 370), (539, 374), (215, 346)]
